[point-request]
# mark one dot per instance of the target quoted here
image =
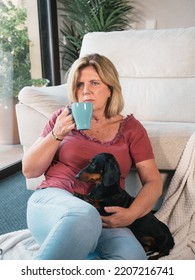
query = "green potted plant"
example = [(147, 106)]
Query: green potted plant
[(40, 82), (14, 43), (14, 67), (82, 16), (14, 40)]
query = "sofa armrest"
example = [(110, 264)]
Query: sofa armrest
[(36, 105), (45, 100)]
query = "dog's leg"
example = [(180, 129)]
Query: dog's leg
[(157, 256)]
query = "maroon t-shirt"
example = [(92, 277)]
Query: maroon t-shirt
[(130, 145)]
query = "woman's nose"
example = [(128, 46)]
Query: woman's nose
[(86, 89)]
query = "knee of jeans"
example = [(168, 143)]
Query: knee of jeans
[(88, 220), (90, 216)]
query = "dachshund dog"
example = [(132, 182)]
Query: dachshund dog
[(104, 171)]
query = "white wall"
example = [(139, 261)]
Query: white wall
[(165, 13)]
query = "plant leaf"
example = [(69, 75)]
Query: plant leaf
[(83, 16)]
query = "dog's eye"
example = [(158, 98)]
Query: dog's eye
[(92, 164)]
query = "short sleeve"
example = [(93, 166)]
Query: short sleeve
[(50, 124), (136, 135)]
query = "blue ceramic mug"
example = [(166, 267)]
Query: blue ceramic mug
[(82, 113)]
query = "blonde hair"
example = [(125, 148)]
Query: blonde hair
[(108, 75)]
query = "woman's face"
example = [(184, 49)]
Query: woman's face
[(90, 88)]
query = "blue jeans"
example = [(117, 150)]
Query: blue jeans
[(67, 228)]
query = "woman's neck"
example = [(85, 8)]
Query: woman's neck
[(99, 118)]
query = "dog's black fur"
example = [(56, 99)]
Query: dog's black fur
[(103, 170)]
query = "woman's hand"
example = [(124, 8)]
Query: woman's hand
[(64, 124), (120, 217)]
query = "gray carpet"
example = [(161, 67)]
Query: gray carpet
[(13, 201)]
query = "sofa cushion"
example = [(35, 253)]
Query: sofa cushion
[(160, 99), (146, 53)]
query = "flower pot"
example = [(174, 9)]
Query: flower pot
[(8, 123)]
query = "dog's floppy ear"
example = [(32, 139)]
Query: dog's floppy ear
[(111, 173)]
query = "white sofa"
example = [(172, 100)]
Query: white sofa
[(157, 74)]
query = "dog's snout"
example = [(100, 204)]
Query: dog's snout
[(89, 177)]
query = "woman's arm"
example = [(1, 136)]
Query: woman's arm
[(38, 158), (144, 201)]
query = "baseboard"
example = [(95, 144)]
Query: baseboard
[(9, 170)]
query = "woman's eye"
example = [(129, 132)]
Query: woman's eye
[(79, 85), (94, 83)]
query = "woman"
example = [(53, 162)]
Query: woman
[(65, 226)]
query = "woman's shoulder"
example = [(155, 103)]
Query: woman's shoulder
[(131, 122), (132, 127)]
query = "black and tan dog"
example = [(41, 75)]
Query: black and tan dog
[(104, 171)]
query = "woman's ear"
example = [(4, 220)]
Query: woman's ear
[(111, 89)]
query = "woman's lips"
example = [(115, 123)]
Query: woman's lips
[(88, 100)]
